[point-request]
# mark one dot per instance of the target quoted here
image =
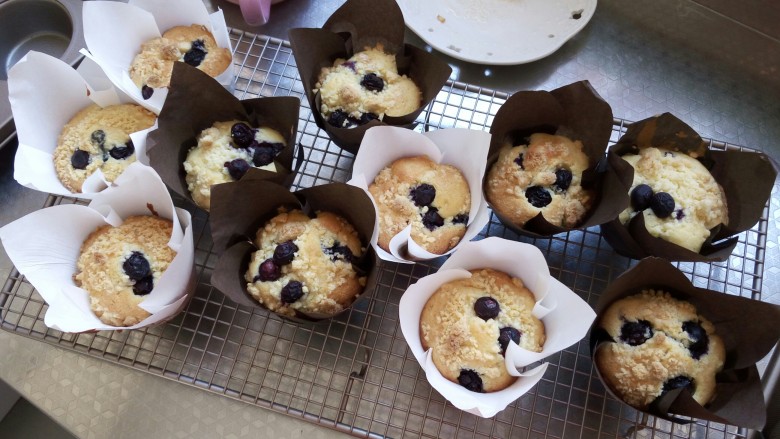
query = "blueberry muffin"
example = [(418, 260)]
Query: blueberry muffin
[(225, 152), (469, 322), (305, 264), (98, 138), (433, 198), (660, 344), (194, 45), (677, 195), (542, 175), (119, 267), (365, 87)]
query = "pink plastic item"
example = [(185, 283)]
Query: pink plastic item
[(255, 12)]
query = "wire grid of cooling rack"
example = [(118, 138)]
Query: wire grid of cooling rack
[(354, 373)]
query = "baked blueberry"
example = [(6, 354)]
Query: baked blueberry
[(292, 292), (562, 179), (268, 271), (263, 155), (636, 333), (662, 204), (538, 196), (470, 380), (237, 168), (640, 197), (199, 44), (350, 65), (98, 138), (519, 161), (679, 214), (146, 92), (366, 118), (143, 286), (80, 159), (372, 82), (486, 308), (120, 152), (136, 266), (505, 334), (679, 382), (242, 134), (196, 54), (284, 253), (423, 194), (276, 146), (461, 218), (338, 118), (431, 219), (338, 251), (699, 337)]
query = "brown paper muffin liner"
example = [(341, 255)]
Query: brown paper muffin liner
[(577, 112), (239, 209), (745, 325), (195, 102), (354, 26), (746, 177)]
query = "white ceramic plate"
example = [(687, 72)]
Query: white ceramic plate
[(497, 31)]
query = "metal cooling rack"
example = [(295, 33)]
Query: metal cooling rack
[(355, 373)]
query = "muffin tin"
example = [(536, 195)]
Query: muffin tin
[(355, 373)]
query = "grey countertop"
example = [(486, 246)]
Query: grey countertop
[(720, 75)]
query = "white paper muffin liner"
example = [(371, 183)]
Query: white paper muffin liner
[(461, 148), (565, 315), (45, 93), (45, 246), (114, 33)]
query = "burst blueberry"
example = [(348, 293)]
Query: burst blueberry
[(143, 286), (700, 340), (276, 147), (338, 251), (470, 380), (366, 118), (636, 333), (120, 152), (263, 155), (519, 161), (487, 308), (80, 159), (98, 138), (338, 118), (662, 204), (562, 179), (292, 292), (461, 218), (431, 219), (196, 54), (679, 382), (505, 335), (284, 253), (136, 266), (242, 134), (423, 194), (372, 82), (538, 196), (237, 168)]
